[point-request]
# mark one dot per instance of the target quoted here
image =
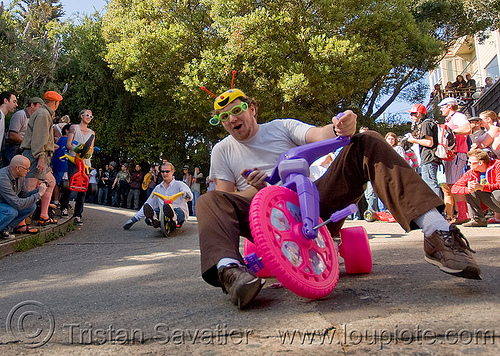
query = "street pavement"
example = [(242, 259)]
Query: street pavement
[(101, 290)]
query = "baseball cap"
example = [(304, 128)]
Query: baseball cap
[(418, 108), (448, 101), (36, 100), (53, 96), (185, 167), (474, 118)]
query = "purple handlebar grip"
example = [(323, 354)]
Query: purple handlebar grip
[(343, 213)]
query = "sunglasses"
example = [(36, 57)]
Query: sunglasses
[(91, 116), (224, 116), (166, 171)]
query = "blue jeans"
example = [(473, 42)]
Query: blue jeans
[(371, 197), (102, 196), (429, 176), (181, 217), (11, 217), (196, 195)]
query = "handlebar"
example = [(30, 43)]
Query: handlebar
[(169, 199)]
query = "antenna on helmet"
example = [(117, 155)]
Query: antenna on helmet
[(232, 80), (203, 88)]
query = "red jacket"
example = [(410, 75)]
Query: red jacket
[(493, 174)]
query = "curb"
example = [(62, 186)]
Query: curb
[(9, 247)]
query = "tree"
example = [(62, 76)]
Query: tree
[(307, 59), (29, 52)]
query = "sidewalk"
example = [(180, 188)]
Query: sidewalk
[(45, 233)]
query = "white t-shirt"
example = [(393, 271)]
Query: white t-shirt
[(454, 121), (92, 176), (2, 127), (229, 156)]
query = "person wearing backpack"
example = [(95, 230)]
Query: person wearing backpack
[(454, 168), (426, 138)]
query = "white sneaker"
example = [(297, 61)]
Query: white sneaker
[(6, 235), (78, 220), (64, 212)]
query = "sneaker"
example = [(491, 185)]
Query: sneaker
[(450, 251), (78, 220), (493, 221), (476, 223), (169, 214), (64, 212), (6, 235), (129, 223), (241, 284), (149, 213)]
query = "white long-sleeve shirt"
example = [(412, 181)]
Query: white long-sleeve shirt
[(174, 187)]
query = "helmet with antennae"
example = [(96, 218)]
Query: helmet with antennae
[(222, 100)]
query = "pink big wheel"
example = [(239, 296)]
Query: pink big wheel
[(355, 250), (309, 268)]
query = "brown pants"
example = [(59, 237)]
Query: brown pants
[(223, 217)]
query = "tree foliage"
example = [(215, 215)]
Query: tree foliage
[(29, 46), (307, 59), (140, 68)]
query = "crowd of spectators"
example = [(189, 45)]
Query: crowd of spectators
[(461, 88), (452, 180), (129, 187), (46, 140)]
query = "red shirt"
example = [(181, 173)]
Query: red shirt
[(492, 174)]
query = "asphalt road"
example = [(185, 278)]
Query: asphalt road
[(102, 290)]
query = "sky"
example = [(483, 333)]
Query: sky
[(72, 7), (83, 6)]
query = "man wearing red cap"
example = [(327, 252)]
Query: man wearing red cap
[(38, 147), (426, 137)]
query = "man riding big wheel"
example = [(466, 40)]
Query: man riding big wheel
[(223, 214), (157, 210)]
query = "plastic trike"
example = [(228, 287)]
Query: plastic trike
[(79, 182), (291, 240), (166, 215)]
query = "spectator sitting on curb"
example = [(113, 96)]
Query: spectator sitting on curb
[(169, 186), (15, 202), (480, 185)]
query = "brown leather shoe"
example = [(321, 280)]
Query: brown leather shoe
[(450, 251), (476, 223), (241, 284)]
